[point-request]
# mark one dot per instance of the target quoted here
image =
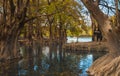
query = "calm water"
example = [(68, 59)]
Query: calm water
[(51, 63), (71, 64), (80, 39)]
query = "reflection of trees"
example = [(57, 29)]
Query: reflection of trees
[(42, 65), (9, 70), (68, 65), (31, 62)]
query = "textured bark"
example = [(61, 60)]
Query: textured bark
[(14, 18), (101, 65)]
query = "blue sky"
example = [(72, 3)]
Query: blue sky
[(107, 11)]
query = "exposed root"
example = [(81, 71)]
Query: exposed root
[(108, 65)]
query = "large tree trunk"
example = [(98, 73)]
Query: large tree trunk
[(104, 65), (9, 43), (9, 47), (14, 18)]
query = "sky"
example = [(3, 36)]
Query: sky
[(105, 10)]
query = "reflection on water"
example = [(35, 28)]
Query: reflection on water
[(85, 63), (75, 64), (71, 64)]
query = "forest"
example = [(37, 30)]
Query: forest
[(28, 26)]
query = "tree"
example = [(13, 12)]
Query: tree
[(30, 18), (13, 19), (104, 65)]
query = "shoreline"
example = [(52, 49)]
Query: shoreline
[(85, 47)]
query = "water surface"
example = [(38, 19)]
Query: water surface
[(53, 61), (80, 39), (70, 64)]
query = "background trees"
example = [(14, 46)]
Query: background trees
[(33, 20)]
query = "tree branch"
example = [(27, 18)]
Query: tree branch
[(12, 7), (95, 11), (27, 20)]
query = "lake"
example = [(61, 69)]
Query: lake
[(51, 62), (80, 39)]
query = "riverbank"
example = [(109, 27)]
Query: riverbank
[(85, 47)]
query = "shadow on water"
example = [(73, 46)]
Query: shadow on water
[(51, 61)]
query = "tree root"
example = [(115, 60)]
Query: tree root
[(108, 65)]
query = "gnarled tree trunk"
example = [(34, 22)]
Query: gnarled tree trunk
[(104, 66), (14, 18)]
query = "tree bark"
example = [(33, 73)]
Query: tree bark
[(112, 37), (13, 22)]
